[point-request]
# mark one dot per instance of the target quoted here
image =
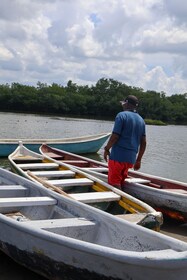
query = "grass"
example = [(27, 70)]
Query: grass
[(154, 122)]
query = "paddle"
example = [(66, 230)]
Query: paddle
[(48, 185)]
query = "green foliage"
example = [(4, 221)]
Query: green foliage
[(99, 100), (154, 122)]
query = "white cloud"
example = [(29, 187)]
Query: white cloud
[(141, 44), (177, 10), (5, 54)]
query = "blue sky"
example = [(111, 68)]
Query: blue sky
[(142, 43)]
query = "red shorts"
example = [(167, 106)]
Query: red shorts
[(117, 172)]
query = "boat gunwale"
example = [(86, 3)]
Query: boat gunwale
[(103, 251), (79, 139)]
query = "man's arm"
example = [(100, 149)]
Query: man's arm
[(112, 140), (142, 148)]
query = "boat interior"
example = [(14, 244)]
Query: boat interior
[(75, 185), (34, 207)]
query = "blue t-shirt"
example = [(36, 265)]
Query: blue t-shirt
[(130, 127)]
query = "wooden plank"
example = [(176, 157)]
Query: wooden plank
[(60, 223), (27, 158), (55, 156), (47, 185), (54, 173), (31, 166), (27, 201), (93, 197), (12, 190), (156, 186), (12, 187), (137, 180), (97, 169), (133, 218), (71, 182), (80, 163)]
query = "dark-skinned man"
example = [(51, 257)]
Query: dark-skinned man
[(127, 144)]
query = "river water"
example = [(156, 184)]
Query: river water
[(165, 156)]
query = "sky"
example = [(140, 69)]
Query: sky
[(142, 43)]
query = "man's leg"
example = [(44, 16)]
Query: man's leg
[(124, 175), (115, 173)]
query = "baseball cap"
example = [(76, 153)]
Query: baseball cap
[(132, 99)]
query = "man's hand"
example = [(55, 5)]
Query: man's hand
[(106, 155), (137, 165)]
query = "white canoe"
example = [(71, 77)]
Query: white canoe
[(83, 187), (60, 238), (165, 195)]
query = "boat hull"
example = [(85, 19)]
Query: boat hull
[(89, 191), (57, 260), (64, 239), (80, 145), (165, 195), (173, 205)]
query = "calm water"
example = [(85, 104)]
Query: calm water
[(166, 153), (166, 156)]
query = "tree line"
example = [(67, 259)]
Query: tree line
[(97, 101)]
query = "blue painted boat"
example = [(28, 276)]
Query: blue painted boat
[(79, 145)]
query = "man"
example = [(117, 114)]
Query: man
[(127, 143)]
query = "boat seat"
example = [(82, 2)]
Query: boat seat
[(137, 180), (60, 223), (97, 169), (133, 218), (31, 166), (181, 191), (27, 158), (156, 186), (55, 156), (80, 163), (66, 183), (55, 173), (12, 191), (27, 201), (93, 197)]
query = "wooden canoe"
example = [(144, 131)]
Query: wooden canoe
[(165, 195), (60, 238), (81, 145), (78, 185)]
